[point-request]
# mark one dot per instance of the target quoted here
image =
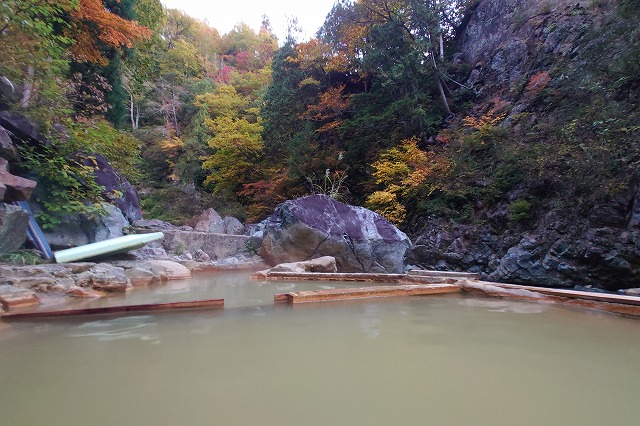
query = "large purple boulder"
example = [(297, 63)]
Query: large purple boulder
[(310, 227)]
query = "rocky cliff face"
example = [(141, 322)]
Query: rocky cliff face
[(535, 61)]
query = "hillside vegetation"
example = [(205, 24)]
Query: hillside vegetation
[(502, 135)]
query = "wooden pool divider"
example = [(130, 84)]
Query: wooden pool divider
[(436, 282), (365, 293), (153, 307), (616, 303), (414, 283)]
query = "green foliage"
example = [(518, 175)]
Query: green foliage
[(237, 147), (520, 210), (33, 53), (330, 184), (281, 104), (22, 257), (180, 249), (67, 186), (119, 147), (250, 249), (179, 206)]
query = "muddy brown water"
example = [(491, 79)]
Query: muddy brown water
[(435, 360)]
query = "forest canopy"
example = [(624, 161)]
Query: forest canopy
[(374, 110)]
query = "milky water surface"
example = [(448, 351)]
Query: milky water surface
[(437, 360)]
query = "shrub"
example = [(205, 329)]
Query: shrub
[(68, 187), (519, 210), (120, 148)]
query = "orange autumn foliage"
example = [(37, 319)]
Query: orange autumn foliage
[(93, 22), (537, 83), (332, 105)]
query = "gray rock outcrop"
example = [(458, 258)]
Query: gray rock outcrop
[(13, 228), (566, 241), (68, 278), (7, 148), (21, 127), (325, 264), (13, 188), (116, 187), (360, 240), (211, 221), (79, 230), (216, 246)]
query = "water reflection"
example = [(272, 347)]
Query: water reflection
[(505, 306), (142, 327), (370, 320)]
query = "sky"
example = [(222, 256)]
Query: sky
[(224, 15)]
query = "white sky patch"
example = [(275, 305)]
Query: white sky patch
[(224, 15)]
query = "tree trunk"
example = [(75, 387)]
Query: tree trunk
[(131, 114), (175, 113), (27, 90), (443, 96)]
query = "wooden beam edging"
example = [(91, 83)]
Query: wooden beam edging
[(357, 276), (626, 305), (443, 274), (329, 276), (365, 293), (197, 304)]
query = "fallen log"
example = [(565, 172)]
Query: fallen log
[(364, 293), (197, 304)]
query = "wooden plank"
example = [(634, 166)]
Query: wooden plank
[(365, 293), (428, 279), (329, 276), (284, 297), (572, 294), (618, 305), (211, 303), (444, 274)]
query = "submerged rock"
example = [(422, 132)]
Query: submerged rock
[(310, 227)]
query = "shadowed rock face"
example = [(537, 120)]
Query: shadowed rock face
[(13, 188), (13, 228), (317, 225), (116, 186)]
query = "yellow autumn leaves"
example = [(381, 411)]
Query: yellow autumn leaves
[(402, 171)]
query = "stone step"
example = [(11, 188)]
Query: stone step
[(13, 297)]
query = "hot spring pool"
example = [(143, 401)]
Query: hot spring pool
[(435, 360)]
